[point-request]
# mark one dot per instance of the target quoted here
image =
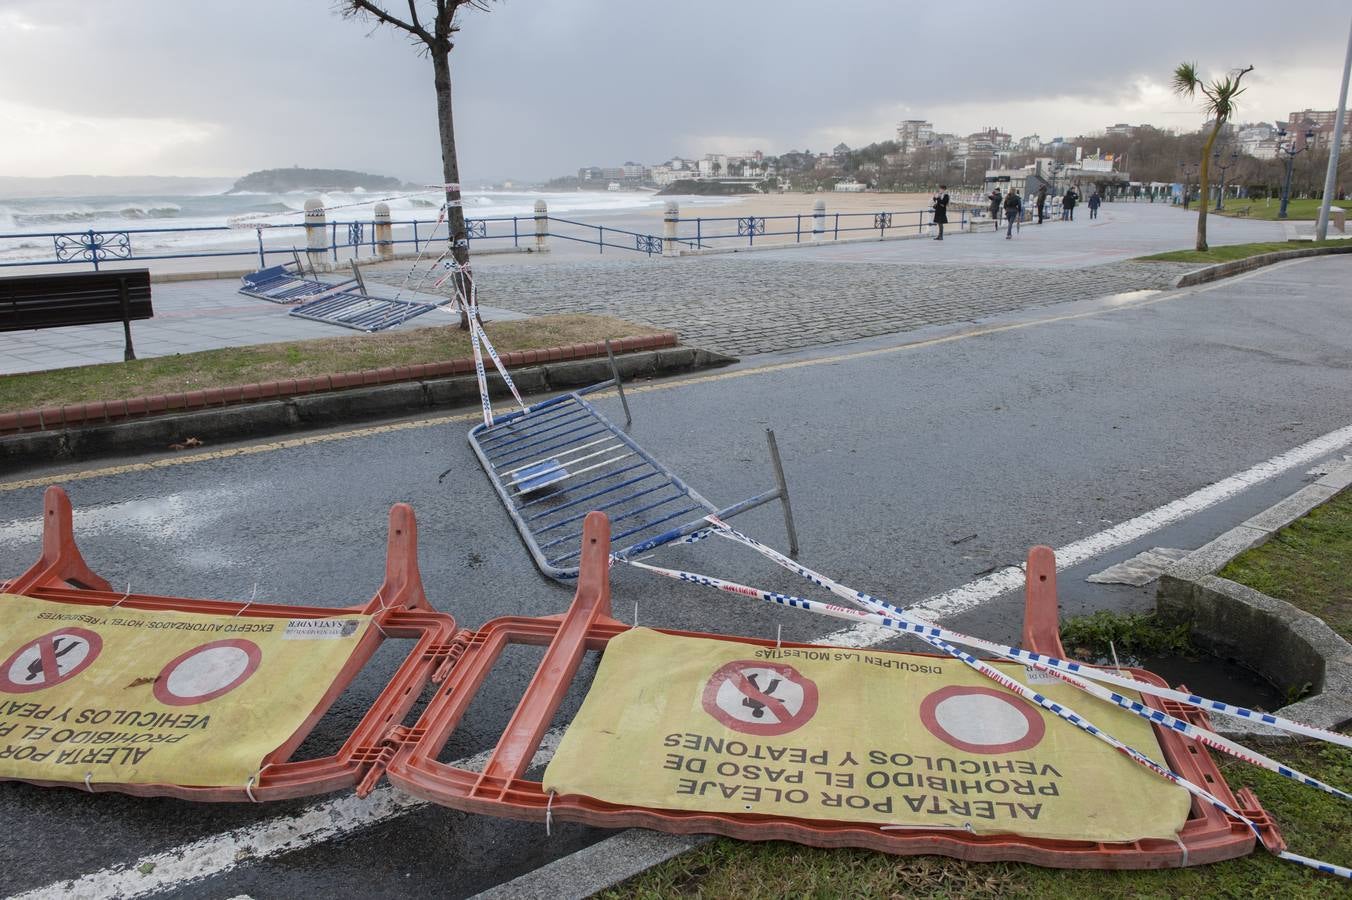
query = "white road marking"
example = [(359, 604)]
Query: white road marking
[(220, 853), (973, 594)]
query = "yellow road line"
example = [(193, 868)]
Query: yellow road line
[(169, 462)]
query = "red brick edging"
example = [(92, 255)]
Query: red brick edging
[(55, 418)]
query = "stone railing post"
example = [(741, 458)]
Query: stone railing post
[(819, 220), (316, 234), (670, 220), (384, 231), (541, 227)]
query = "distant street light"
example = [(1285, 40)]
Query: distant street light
[(1186, 171), (1234, 158), (1289, 149)]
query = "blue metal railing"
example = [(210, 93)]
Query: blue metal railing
[(351, 238), (96, 247), (809, 226)]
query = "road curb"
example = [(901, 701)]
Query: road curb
[(1286, 644), (156, 432), (1248, 264)]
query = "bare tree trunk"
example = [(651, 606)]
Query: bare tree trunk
[(450, 171), (1203, 176)]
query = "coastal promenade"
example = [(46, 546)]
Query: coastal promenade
[(770, 300), (743, 303)]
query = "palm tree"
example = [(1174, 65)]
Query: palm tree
[(1219, 104), (433, 33)]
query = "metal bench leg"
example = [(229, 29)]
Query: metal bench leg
[(127, 352)]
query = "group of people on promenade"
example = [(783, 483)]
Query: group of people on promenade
[(1011, 204)]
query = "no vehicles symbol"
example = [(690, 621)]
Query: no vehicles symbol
[(760, 698), (206, 672), (49, 660)]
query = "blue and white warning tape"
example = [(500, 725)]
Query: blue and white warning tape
[(880, 613), (929, 634), (908, 622)]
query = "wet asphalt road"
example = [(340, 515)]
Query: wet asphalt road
[(1093, 414)]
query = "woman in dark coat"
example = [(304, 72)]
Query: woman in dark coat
[(941, 210)]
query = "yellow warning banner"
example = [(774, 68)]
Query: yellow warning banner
[(858, 736), (126, 696)]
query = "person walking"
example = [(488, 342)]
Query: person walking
[(1094, 202), (1068, 204), (1041, 200), (1013, 211), (941, 210), (996, 200)]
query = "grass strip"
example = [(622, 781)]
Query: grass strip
[(1308, 564), (1228, 252), (1267, 210), (234, 366)]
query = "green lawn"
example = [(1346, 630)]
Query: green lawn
[(1268, 209), (1309, 564), (1228, 252), (296, 359)]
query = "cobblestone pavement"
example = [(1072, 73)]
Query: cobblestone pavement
[(744, 304)]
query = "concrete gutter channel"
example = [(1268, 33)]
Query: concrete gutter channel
[(1293, 649), (95, 433)]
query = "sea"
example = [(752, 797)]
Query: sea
[(28, 224)]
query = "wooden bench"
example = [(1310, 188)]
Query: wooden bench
[(76, 298)]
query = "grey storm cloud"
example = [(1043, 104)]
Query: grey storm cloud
[(544, 86)]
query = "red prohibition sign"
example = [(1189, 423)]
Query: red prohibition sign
[(206, 672), (49, 660), (981, 720), (761, 698)]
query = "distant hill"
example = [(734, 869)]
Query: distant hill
[(277, 181)]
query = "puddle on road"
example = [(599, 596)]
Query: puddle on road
[(1130, 296)]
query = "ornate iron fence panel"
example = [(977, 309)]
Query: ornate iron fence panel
[(92, 246), (882, 221), (354, 234), (646, 243), (476, 228), (750, 225)]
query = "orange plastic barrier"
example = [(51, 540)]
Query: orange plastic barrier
[(500, 789), (399, 609)]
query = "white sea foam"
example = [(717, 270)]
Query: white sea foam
[(29, 222)]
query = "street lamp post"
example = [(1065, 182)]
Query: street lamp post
[(1287, 147), (1186, 170), (1216, 157)]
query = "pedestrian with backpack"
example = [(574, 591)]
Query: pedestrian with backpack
[(1013, 211)]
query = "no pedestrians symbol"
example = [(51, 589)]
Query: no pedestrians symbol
[(761, 698), (206, 672), (49, 660)]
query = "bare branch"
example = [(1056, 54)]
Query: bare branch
[(371, 9)]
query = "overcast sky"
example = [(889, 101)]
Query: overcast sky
[(222, 87)]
